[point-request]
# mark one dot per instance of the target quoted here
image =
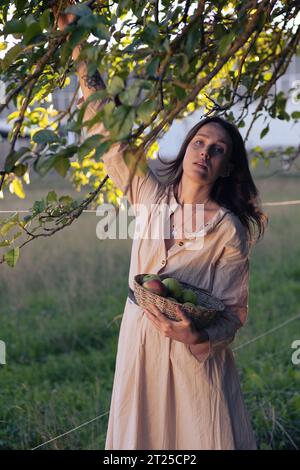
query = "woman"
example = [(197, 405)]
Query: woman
[(176, 388)]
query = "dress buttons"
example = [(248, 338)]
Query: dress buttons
[(180, 243), (163, 261)]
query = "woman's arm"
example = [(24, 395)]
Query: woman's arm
[(89, 83), (231, 285), (141, 188)]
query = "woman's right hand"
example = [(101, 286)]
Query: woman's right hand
[(64, 19)]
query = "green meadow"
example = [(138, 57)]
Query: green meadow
[(60, 313)]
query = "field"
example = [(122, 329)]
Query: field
[(60, 315)]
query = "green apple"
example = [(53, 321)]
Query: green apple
[(156, 286), (189, 296), (174, 287), (149, 277)]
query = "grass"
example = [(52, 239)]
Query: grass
[(60, 315)]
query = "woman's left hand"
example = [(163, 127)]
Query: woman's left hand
[(180, 331)]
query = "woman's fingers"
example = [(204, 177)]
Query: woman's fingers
[(158, 314), (152, 318)]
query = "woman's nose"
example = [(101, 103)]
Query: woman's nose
[(205, 153)]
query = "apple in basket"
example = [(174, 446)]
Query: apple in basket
[(156, 286), (189, 297), (173, 287), (149, 277)]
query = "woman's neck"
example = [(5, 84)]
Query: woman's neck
[(192, 194)]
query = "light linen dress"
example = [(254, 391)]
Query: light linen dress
[(168, 395)]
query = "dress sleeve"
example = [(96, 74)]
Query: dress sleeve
[(142, 188), (231, 285)]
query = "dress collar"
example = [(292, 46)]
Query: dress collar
[(173, 204)]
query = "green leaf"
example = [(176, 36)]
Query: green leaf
[(15, 26), (66, 51), (38, 207), (69, 151), (13, 157), (101, 150), (102, 32), (296, 115), (45, 137), (284, 116), (61, 165), (20, 5), (123, 119), (145, 110), (192, 39), (33, 30), (43, 165), (220, 31), (11, 56), (7, 227), (150, 35), (89, 144), (20, 169), (116, 85), (179, 92), (107, 113), (225, 43), (76, 37), (264, 131), (16, 235), (45, 19), (51, 197), (129, 96), (152, 67), (12, 256), (5, 243), (79, 10), (139, 168), (88, 22), (65, 200)]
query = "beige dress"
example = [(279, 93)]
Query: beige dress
[(168, 395)]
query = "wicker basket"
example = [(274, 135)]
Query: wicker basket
[(201, 315)]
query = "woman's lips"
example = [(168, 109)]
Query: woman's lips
[(201, 165)]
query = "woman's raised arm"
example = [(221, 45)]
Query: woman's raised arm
[(142, 188), (88, 83)]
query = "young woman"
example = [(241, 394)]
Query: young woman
[(174, 388)]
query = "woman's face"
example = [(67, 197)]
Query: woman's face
[(208, 153)]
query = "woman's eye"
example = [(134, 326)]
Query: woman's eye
[(214, 148)]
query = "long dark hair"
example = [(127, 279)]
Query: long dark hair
[(237, 192)]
